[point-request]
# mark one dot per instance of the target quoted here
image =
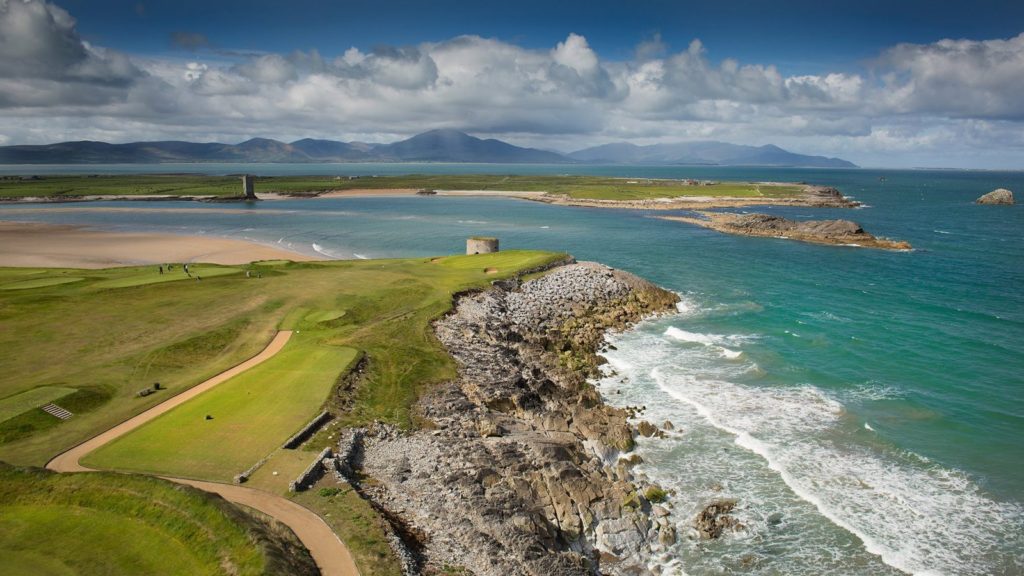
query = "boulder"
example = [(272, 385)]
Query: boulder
[(647, 429), (997, 196), (715, 519)]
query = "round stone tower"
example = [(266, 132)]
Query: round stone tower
[(481, 245)]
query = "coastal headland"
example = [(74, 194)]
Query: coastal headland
[(497, 393)]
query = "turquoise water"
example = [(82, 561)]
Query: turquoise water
[(875, 400)]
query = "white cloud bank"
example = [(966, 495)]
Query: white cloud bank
[(954, 102)]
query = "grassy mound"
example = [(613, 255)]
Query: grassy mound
[(114, 524)]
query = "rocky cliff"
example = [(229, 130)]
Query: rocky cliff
[(517, 469)]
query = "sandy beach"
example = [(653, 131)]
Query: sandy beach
[(59, 246)]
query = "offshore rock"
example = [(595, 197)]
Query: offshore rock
[(715, 519), (515, 471), (997, 196)]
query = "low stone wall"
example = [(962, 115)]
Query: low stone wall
[(307, 431), (244, 476), (311, 474)]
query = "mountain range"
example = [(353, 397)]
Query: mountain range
[(432, 146)]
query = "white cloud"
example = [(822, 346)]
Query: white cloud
[(267, 69), (575, 53), (932, 98), (963, 78)]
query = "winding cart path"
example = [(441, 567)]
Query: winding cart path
[(329, 552)]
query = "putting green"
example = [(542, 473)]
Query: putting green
[(228, 429), (29, 399)]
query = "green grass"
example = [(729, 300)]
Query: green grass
[(23, 402), (110, 342), (581, 187), (252, 414), (152, 275), (356, 523), (39, 283), (111, 334), (81, 401), (114, 524)]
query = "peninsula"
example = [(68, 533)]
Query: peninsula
[(391, 371), (569, 190)]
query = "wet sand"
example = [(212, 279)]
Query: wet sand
[(59, 246)]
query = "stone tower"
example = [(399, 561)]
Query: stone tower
[(249, 186), (481, 245)]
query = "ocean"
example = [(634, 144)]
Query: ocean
[(865, 409)]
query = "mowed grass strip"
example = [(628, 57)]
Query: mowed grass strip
[(40, 283), (228, 429), (115, 524), (23, 402)]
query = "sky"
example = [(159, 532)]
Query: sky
[(886, 84)]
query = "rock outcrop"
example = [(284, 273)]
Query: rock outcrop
[(997, 196), (838, 232), (516, 469), (714, 519)]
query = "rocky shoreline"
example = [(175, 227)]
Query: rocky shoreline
[(834, 232), (518, 466)]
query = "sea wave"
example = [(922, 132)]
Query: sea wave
[(321, 250), (915, 515)]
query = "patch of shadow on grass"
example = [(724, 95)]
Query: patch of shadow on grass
[(34, 421)]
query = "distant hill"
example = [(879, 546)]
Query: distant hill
[(432, 146), (706, 152), (455, 146)]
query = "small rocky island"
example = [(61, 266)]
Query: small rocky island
[(999, 196), (836, 232)]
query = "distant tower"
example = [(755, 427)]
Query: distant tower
[(249, 186), (481, 245)]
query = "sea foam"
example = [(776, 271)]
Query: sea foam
[(915, 515)]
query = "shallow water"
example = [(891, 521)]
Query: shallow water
[(873, 399)]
